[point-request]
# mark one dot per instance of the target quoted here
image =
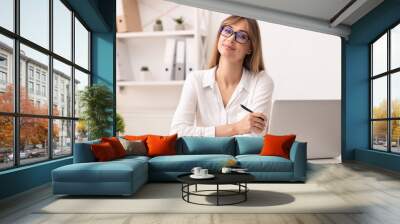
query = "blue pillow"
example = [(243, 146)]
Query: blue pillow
[(195, 145), (249, 145), (83, 152)]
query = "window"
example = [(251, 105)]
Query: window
[(3, 72), (30, 87), (47, 74), (3, 78), (30, 72), (385, 91), (44, 91)]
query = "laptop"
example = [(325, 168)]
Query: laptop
[(317, 122)]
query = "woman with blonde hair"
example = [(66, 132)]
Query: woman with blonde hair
[(210, 103)]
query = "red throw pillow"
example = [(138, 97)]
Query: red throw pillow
[(116, 145), (277, 145), (161, 145), (103, 151)]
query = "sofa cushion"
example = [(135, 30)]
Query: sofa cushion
[(111, 171), (83, 152), (277, 145), (185, 163), (257, 163), (103, 152), (116, 145), (159, 145), (195, 145), (249, 145)]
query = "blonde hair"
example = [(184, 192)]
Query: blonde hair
[(254, 60)]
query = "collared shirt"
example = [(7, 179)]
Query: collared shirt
[(201, 108)]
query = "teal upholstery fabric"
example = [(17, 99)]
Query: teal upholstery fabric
[(249, 145), (118, 177), (184, 163), (298, 155), (83, 152), (257, 163), (206, 145)]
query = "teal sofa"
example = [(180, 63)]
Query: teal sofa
[(125, 176)]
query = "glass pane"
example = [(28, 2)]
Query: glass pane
[(379, 55), (33, 139), (81, 131), (7, 14), (6, 142), (395, 94), (62, 138), (81, 45), (6, 74), (379, 100), (395, 136), (34, 97), (35, 21), (62, 89), (379, 135), (395, 47), (62, 29), (81, 81)]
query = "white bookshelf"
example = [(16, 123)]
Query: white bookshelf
[(159, 34), (147, 48), (150, 83), (148, 105)]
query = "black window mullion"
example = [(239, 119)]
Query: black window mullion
[(371, 137), (389, 106), (16, 84), (50, 87), (73, 82)]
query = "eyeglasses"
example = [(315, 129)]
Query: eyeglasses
[(240, 36)]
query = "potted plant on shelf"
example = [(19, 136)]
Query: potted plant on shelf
[(179, 23), (96, 102), (158, 26), (144, 74)]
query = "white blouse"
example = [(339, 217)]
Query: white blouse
[(201, 108)]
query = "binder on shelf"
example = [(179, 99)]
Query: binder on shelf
[(128, 17), (190, 55), (180, 60), (169, 57)]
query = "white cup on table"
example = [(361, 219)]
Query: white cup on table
[(203, 172), (196, 171)]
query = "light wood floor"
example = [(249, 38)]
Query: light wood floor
[(378, 188)]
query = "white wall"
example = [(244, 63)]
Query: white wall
[(303, 64)]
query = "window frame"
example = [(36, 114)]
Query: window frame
[(16, 114), (388, 74)]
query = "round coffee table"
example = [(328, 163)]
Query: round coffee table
[(238, 179)]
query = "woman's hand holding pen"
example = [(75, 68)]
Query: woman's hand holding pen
[(252, 122)]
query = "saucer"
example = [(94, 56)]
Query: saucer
[(208, 176)]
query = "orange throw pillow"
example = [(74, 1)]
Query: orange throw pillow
[(161, 145), (277, 145), (136, 137), (116, 145), (103, 152)]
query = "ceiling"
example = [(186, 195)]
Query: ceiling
[(327, 16)]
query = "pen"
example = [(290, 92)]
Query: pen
[(245, 108)]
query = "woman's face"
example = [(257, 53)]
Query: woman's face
[(231, 49)]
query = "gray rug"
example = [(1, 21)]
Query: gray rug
[(166, 198)]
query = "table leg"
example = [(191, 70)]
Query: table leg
[(196, 188), (217, 194), (245, 193)]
